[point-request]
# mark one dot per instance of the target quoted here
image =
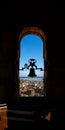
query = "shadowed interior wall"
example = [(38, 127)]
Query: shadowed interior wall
[(8, 77), (54, 30)]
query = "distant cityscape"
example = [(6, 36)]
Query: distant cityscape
[(30, 88)]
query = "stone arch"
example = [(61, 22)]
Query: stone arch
[(39, 32)]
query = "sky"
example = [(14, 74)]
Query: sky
[(31, 46)]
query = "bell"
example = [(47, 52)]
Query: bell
[(32, 73)]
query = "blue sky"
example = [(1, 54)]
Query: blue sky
[(31, 46)]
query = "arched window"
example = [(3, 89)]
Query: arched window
[(32, 59)]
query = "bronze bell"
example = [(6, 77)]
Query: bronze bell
[(32, 73)]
